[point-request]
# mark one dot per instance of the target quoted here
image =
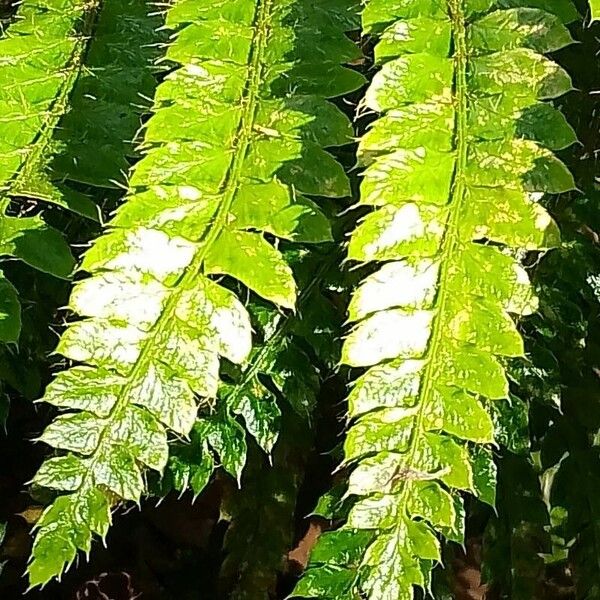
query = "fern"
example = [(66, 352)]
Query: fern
[(564, 386), (49, 104), (236, 138), (261, 515), (573, 501), (93, 139), (279, 369), (35, 85), (453, 167), (77, 124), (569, 447), (41, 57)]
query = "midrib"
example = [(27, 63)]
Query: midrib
[(228, 191), (451, 239)]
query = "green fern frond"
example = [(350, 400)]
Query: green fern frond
[(278, 369), (261, 515), (574, 497), (34, 86), (78, 123), (571, 459), (453, 168), (236, 139), (39, 60), (282, 361)]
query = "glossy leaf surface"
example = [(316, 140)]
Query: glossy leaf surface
[(242, 120), (453, 169)]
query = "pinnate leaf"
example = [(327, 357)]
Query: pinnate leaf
[(452, 197), (157, 311)]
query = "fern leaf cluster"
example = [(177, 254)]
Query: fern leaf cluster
[(517, 539), (262, 512), (63, 120), (43, 54), (568, 445), (280, 376), (203, 323), (575, 508), (453, 169), (234, 147), (261, 515)]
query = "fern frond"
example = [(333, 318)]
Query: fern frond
[(261, 513), (278, 369), (574, 502), (237, 136), (40, 57), (453, 168), (281, 359), (88, 112)]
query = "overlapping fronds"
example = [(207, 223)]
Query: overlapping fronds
[(280, 384), (88, 134), (236, 139), (573, 482), (570, 456), (60, 62), (279, 371), (40, 60), (261, 515), (117, 62), (453, 169)]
